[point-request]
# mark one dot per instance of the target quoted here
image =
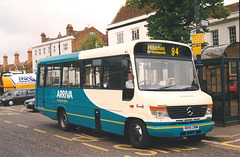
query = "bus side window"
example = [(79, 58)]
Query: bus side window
[(112, 73), (92, 73), (41, 76), (71, 74), (53, 75), (128, 90)]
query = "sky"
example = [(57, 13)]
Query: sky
[(23, 21)]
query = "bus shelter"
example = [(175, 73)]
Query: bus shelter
[(221, 79)]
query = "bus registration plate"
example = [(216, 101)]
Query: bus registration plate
[(190, 127)]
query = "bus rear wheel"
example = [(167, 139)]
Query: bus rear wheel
[(138, 135), (63, 121)]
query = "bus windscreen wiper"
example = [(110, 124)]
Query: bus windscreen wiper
[(190, 88), (165, 87)]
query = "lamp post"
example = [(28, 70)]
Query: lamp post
[(199, 64)]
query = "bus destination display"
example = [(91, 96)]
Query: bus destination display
[(162, 49)]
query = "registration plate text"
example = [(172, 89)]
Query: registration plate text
[(190, 127)]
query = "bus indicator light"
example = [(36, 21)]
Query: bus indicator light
[(160, 108), (131, 106)]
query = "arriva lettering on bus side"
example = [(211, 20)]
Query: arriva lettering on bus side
[(139, 89), (64, 94)]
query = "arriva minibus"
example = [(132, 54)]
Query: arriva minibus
[(90, 89)]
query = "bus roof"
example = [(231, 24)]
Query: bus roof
[(119, 49)]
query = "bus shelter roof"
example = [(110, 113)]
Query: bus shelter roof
[(228, 50)]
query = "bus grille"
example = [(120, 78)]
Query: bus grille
[(186, 111)]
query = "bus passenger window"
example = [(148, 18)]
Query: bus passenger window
[(92, 74), (112, 73), (53, 75), (112, 77), (71, 74), (41, 76)]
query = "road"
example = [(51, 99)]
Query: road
[(25, 133)]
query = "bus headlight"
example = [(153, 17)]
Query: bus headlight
[(209, 110), (159, 112)]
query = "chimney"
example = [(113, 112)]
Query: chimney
[(59, 35), (5, 60), (29, 55), (69, 30), (16, 56), (43, 35)]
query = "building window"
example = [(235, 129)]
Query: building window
[(233, 68), (135, 34), (54, 48), (65, 46), (92, 33), (35, 52), (215, 37), (39, 51), (48, 50), (120, 37), (232, 34), (44, 50)]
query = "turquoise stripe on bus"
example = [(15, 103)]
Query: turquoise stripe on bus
[(59, 58)]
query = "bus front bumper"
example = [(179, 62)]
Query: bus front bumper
[(179, 130)]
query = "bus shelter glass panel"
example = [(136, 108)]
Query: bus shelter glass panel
[(212, 82), (231, 90)]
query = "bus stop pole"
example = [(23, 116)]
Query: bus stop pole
[(199, 64)]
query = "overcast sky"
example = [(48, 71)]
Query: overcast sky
[(22, 21)]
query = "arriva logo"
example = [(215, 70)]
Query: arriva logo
[(26, 79), (64, 94)]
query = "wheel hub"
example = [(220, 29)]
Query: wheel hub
[(137, 133)]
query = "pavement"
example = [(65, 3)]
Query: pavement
[(224, 133)]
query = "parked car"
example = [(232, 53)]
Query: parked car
[(233, 88), (17, 96), (30, 104), (7, 93)]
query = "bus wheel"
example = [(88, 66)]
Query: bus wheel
[(138, 135), (10, 102), (196, 138), (63, 121)]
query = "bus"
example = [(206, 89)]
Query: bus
[(10, 80), (88, 88)]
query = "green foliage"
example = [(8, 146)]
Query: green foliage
[(75, 50), (91, 42), (174, 19)]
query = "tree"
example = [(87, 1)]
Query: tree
[(91, 42), (174, 19)]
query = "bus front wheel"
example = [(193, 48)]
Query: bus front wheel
[(138, 135), (63, 121)]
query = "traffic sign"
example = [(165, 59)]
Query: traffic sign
[(198, 38), (196, 49)]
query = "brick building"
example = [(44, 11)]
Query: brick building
[(64, 44), (17, 65)]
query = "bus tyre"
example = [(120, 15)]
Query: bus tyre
[(196, 138), (138, 135), (10, 102), (63, 121)]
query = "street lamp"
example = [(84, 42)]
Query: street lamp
[(199, 64)]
